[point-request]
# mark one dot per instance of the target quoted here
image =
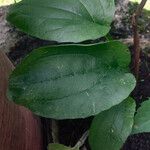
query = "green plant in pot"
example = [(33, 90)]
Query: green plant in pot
[(75, 80)]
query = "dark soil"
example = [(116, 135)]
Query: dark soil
[(72, 130)]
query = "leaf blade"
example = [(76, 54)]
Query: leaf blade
[(63, 21), (59, 147), (111, 128), (72, 81), (142, 119)]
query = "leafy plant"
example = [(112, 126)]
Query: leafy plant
[(75, 80)]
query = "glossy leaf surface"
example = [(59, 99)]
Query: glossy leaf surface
[(111, 128), (142, 118), (72, 81), (63, 20)]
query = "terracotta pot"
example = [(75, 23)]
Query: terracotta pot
[(19, 128)]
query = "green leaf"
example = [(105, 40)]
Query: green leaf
[(142, 118), (110, 128), (59, 147), (72, 81), (63, 20)]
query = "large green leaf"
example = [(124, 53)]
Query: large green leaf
[(73, 81), (111, 128), (59, 147), (63, 20), (142, 118)]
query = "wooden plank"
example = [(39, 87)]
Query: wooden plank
[(19, 128)]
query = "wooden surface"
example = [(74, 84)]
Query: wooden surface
[(19, 129)]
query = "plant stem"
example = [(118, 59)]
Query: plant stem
[(82, 140), (55, 131), (136, 38)]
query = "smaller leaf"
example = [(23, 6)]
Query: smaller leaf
[(59, 147), (142, 118), (111, 128), (63, 20)]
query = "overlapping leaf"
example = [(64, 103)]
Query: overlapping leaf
[(63, 20), (72, 81), (111, 128), (142, 118)]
